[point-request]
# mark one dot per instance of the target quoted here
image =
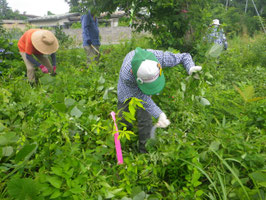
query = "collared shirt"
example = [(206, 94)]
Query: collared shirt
[(127, 86), (217, 36), (25, 43)]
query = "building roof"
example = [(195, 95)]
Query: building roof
[(12, 21), (53, 17)]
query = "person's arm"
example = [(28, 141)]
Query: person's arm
[(32, 60), (225, 42), (148, 104), (53, 57), (168, 59)]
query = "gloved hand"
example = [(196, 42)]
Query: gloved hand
[(54, 69), (44, 69), (163, 122), (194, 69), (89, 42)]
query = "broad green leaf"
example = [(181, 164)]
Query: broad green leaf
[(140, 196), (214, 146), (76, 112), (215, 51), (109, 195), (3, 140), (2, 127), (46, 79), (60, 107), (8, 138), (7, 151), (105, 95), (25, 152), (56, 194), (208, 74), (101, 80), (55, 181), (57, 171), (22, 189), (199, 193), (259, 177), (183, 86), (69, 102), (76, 190), (100, 88), (204, 101)]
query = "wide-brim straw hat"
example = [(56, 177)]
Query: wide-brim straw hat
[(44, 41)]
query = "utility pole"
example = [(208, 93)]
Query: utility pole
[(246, 7), (259, 17), (226, 5)]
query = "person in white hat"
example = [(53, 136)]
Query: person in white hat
[(38, 43), (216, 34), (141, 76)]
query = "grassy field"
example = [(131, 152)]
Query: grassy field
[(56, 139)]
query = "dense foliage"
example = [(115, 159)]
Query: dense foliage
[(56, 139), (182, 24), (7, 13)]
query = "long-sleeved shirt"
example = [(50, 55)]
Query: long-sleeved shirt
[(127, 86), (36, 63), (90, 29), (217, 36)]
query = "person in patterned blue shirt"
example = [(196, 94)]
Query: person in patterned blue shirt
[(141, 77), (216, 34)]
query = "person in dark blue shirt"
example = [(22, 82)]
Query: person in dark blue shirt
[(90, 35)]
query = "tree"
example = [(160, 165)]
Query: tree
[(50, 13), (173, 23), (7, 13), (74, 5)]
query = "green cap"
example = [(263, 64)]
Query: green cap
[(148, 72)]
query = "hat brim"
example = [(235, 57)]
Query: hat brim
[(154, 87), (38, 44)]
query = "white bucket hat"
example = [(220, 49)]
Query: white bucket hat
[(215, 22)]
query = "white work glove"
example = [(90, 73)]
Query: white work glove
[(194, 69), (163, 122)]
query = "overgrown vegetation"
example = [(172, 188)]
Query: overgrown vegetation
[(56, 139), (181, 24)]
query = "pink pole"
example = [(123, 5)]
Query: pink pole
[(117, 142)]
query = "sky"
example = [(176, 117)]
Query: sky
[(39, 7)]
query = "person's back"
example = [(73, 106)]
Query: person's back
[(90, 30), (90, 35)]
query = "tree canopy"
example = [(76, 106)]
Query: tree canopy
[(7, 13)]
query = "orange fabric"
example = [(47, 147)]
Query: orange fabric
[(25, 45)]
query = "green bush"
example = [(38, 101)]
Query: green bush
[(58, 136)]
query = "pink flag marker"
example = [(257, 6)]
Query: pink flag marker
[(117, 142)]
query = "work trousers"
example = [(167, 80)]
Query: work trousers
[(144, 120), (92, 55), (30, 66)]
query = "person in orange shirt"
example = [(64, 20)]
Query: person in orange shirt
[(39, 43)]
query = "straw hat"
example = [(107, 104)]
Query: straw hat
[(44, 41)]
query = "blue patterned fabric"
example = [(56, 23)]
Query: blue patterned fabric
[(90, 29), (127, 85), (217, 36)]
